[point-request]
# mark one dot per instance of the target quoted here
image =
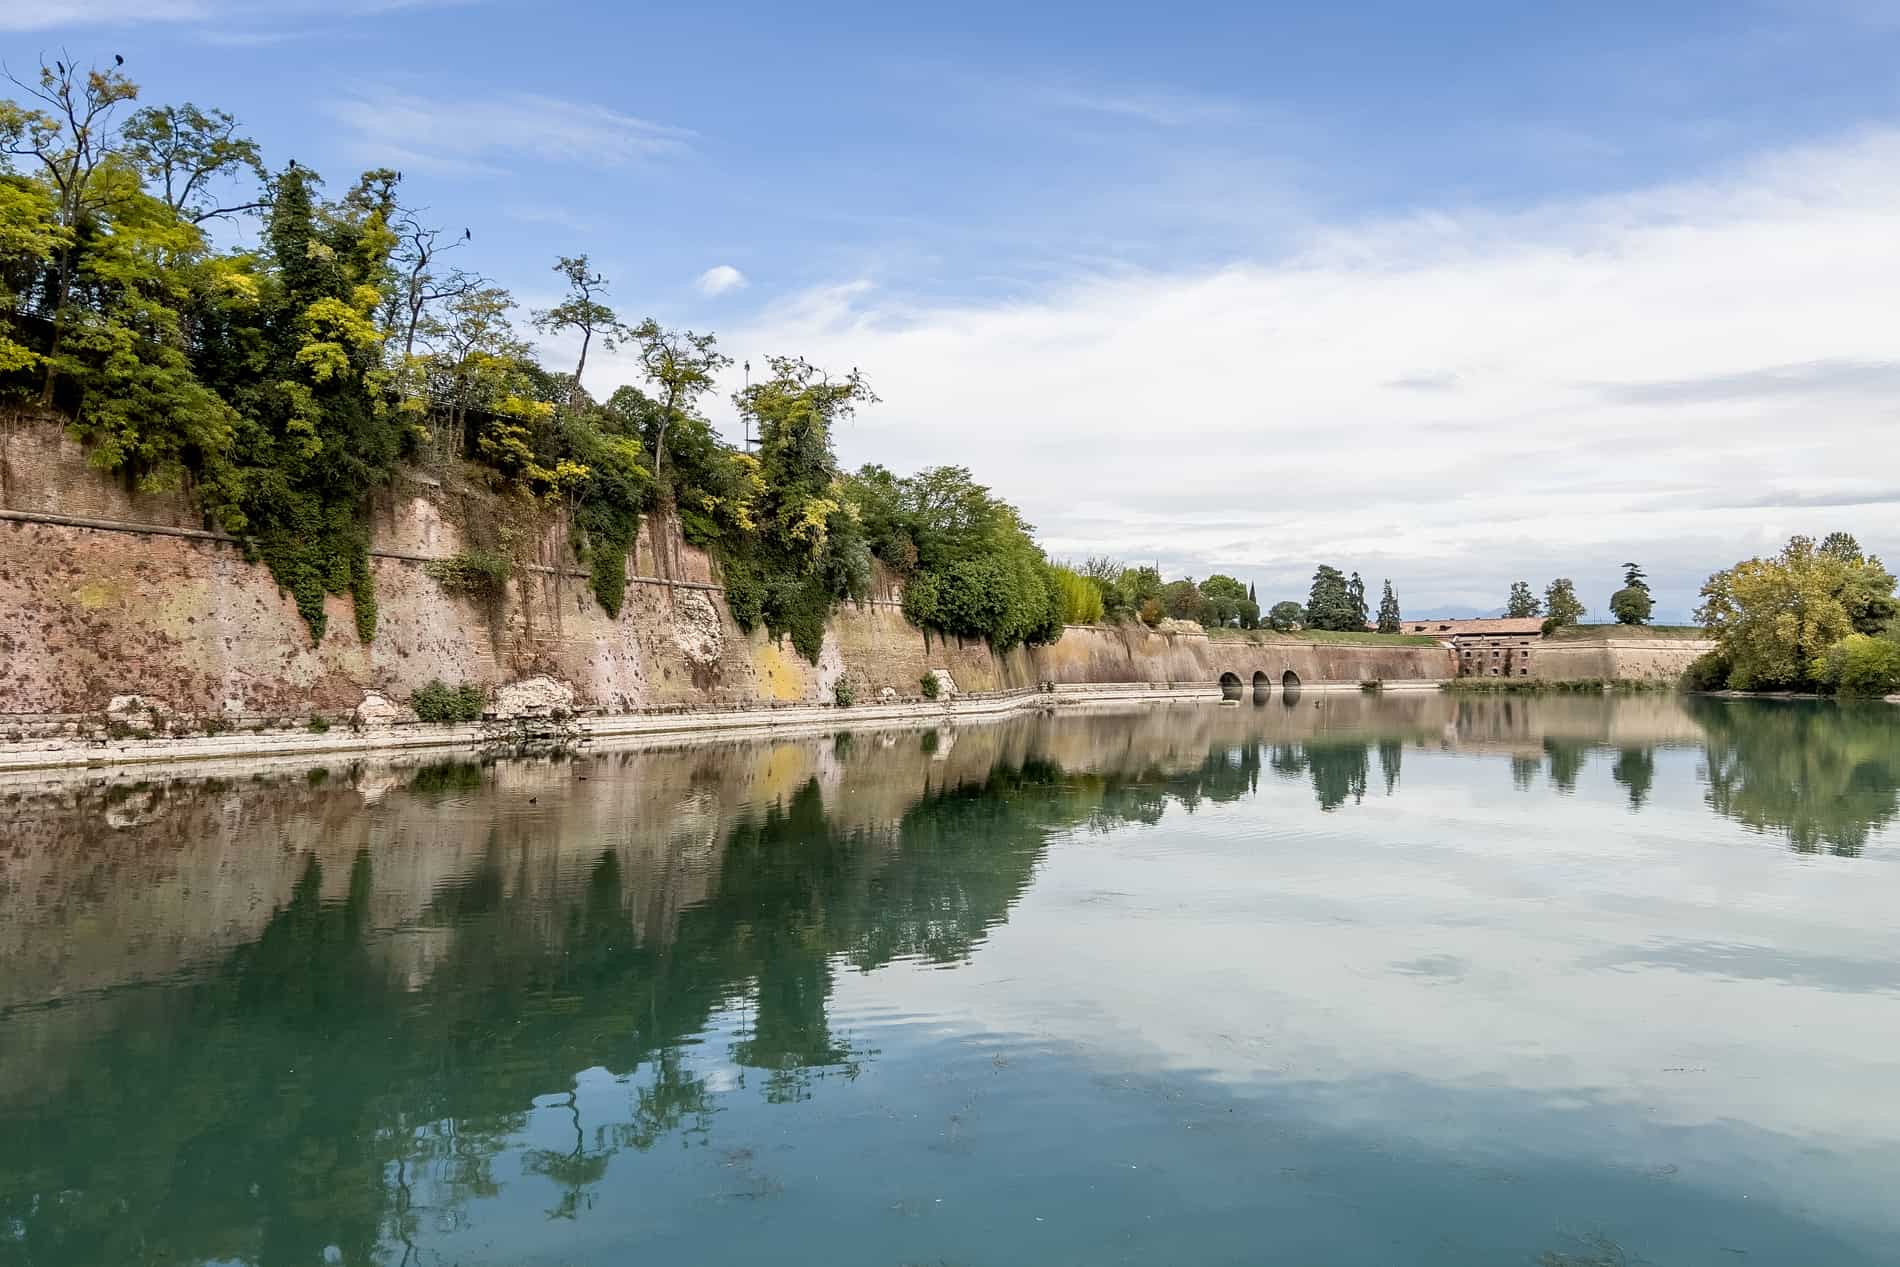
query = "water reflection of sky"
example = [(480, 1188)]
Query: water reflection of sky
[(1362, 987)]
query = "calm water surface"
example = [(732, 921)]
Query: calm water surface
[(1329, 980)]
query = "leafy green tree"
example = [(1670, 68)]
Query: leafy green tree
[(800, 548), (1775, 618), (1329, 605), (187, 153), (1140, 589), (1081, 599), (138, 403), (1287, 616), (30, 236), (1865, 591), (1561, 604), (1105, 574), (582, 312), (1842, 546), (1183, 600), (479, 364), (1859, 664), (1228, 602), (1356, 601), (1523, 603), (73, 138), (681, 366), (1390, 621), (1632, 605)]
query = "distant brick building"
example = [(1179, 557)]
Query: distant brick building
[(1486, 648)]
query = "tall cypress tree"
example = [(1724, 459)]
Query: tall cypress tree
[(1389, 618), (1356, 600)]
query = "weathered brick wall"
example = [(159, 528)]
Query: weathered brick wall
[(87, 613)]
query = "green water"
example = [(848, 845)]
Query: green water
[(1338, 979)]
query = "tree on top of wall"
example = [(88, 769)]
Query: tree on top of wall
[(1389, 618), (1632, 604), (1561, 604), (1523, 602)]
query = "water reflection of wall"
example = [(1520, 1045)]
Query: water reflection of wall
[(387, 964), (108, 882)]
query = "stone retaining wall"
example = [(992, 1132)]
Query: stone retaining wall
[(107, 592), (1616, 659)]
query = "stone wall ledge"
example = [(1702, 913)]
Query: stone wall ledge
[(1630, 644), (81, 753)]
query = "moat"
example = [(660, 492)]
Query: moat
[(1322, 978)]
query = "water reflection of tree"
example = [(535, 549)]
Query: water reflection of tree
[(1524, 770), (309, 1091), (1566, 759), (1635, 770), (304, 1094), (1339, 770), (1826, 775), (1391, 757)]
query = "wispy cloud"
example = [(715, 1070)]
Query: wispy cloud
[(1159, 107), (49, 15), (483, 135), (1636, 377), (543, 213), (719, 280), (1812, 378)]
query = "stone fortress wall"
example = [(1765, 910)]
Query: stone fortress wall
[(106, 591)]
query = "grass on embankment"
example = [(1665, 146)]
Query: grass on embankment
[(1639, 632), (1265, 637)]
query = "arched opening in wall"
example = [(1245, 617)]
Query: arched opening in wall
[(1262, 686), (1230, 686), (1289, 688)]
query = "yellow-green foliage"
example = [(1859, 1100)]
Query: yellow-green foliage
[(1860, 664), (1775, 618), (1081, 597), (283, 380)]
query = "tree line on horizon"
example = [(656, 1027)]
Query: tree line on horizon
[(1336, 601)]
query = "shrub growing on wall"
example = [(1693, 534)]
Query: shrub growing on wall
[(477, 574), (439, 702)]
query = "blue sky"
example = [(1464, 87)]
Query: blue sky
[(1452, 293)]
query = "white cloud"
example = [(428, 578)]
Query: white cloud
[(43, 15), (1453, 399), (468, 136), (720, 279)]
